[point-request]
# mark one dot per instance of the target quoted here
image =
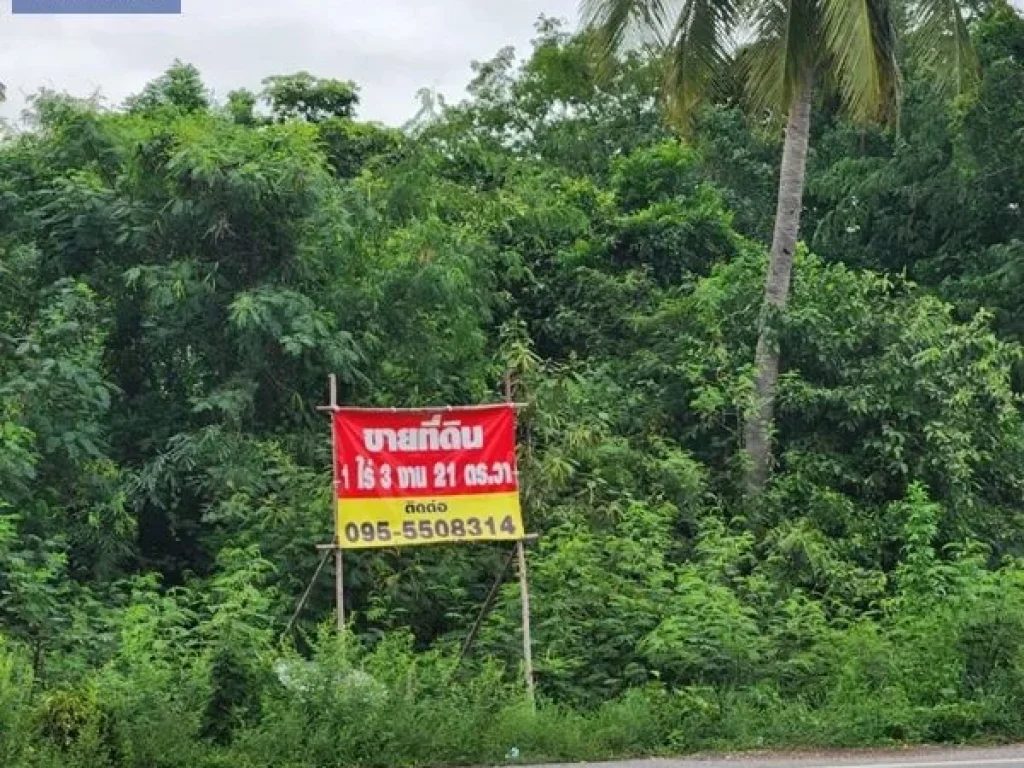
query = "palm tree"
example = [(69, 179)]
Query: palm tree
[(786, 50)]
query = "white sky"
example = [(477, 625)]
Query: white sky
[(390, 48)]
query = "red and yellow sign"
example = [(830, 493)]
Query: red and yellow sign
[(410, 477)]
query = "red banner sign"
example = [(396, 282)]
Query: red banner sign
[(411, 477)]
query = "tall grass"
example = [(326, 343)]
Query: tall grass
[(949, 676)]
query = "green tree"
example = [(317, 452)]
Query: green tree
[(180, 87), (241, 106), (311, 98), (847, 46)]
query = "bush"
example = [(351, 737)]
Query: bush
[(16, 730)]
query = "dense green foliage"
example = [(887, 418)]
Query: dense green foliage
[(178, 278)]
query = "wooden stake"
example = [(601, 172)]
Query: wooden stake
[(339, 586), (524, 592), (305, 595), (339, 564), (488, 602), (524, 589)]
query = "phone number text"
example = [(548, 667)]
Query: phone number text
[(425, 530)]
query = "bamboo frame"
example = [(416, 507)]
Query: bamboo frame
[(339, 562), (420, 409), (524, 588), (518, 553)]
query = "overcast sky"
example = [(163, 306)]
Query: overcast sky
[(391, 48)]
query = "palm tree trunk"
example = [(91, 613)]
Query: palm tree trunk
[(758, 426)]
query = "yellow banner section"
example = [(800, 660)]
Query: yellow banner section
[(368, 523)]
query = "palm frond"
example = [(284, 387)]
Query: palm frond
[(785, 50), (620, 22), (861, 42), (941, 41), (700, 49), (696, 37)]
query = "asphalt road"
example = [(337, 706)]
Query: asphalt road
[(928, 757)]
